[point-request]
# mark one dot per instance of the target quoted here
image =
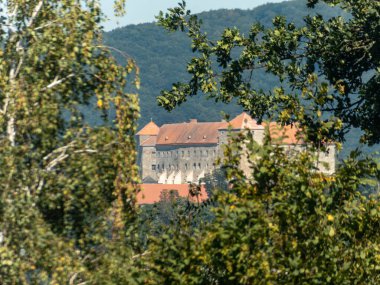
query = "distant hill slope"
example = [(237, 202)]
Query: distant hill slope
[(162, 57)]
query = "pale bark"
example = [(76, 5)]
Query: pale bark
[(57, 81), (9, 102)]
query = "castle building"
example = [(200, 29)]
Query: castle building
[(185, 152)]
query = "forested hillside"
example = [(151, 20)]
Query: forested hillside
[(162, 58)]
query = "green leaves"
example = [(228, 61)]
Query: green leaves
[(280, 223), (66, 189), (341, 51)]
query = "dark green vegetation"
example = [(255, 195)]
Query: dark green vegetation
[(283, 225), (67, 190), (328, 70), (162, 57), (284, 222)]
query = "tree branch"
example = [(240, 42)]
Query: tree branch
[(57, 81), (36, 10), (46, 25)]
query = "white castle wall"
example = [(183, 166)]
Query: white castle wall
[(173, 164)]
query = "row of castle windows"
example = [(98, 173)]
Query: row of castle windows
[(183, 153), (175, 167)]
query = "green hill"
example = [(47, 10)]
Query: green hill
[(162, 58)]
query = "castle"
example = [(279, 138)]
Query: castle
[(186, 152)]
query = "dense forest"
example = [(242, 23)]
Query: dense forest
[(161, 57)]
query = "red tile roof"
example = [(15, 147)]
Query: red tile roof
[(243, 121), (151, 141), (151, 129), (151, 193), (189, 133), (195, 133), (289, 134)]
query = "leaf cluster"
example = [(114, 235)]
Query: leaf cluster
[(282, 223), (330, 65)]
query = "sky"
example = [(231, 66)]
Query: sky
[(143, 11)]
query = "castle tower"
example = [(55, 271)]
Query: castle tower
[(240, 123), (146, 141)]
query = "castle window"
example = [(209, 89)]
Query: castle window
[(163, 166), (153, 167), (194, 166), (158, 166), (199, 165), (185, 166)]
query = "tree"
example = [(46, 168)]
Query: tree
[(285, 223), (67, 190), (331, 69)]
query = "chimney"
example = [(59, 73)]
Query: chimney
[(193, 121)]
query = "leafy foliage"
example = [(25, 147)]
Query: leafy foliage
[(282, 224), (161, 57), (67, 189), (67, 194), (330, 66)]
